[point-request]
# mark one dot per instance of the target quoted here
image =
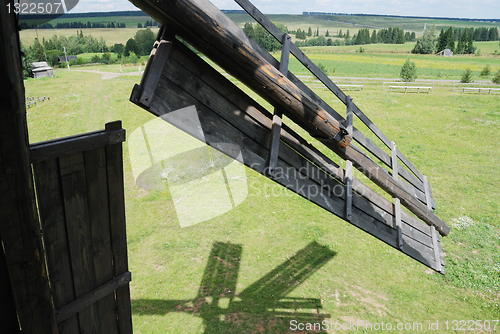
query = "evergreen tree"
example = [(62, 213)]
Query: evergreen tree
[(462, 43), (408, 71), (441, 41), (496, 78), (470, 48), (450, 39), (317, 31), (466, 76), (327, 34), (340, 34), (374, 37), (309, 32)]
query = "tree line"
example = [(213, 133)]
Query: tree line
[(74, 25)]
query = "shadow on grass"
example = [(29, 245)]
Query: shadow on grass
[(262, 307)]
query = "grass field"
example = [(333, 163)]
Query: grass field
[(451, 137)]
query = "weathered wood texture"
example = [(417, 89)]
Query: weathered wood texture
[(22, 251), (228, 115), (82, 216), (205, 27)]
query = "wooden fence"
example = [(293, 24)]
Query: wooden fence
[(415, 87), (79, 188), (476, 87)]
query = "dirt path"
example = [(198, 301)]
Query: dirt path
[(111, 75)]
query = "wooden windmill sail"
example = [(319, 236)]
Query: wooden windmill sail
[(177, 78)]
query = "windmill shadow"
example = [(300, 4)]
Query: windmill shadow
[(262, 307)]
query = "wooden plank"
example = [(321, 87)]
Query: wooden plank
[(156, 62), (74, 188), (348, 118), (118, 230), (212, 110), (348, 192), (96, 176), (74, 144), (272, 159), (19, 225), (397, 208), (93, 296), (437, 255), (394, 161), (427, 193), (53, 223)]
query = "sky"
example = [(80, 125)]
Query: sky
[(483, 9)]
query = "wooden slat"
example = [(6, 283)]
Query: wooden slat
[(53, 223), (348, 118), (397, 208), (427, 193), (118, 230), (76, 209), (437, 255), (395, 174), (272, 159), (228, 115), (92, 297), (96, 177), (79, 143), (348, 192), (156, 62)]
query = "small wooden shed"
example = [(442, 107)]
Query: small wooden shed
[(41, 70), (445, 53)]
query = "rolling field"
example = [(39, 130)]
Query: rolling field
[(451, 137)]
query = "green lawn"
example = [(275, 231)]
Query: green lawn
[(277, 246)]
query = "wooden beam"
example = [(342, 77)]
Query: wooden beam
[(90, 298), (19, 225), (68, 145), (272, 159)]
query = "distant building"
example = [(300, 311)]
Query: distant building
[(62, 59), (445, 53), (41, 70)]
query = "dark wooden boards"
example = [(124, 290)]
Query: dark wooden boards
[(22, 247), (206, 28), (228, 115), (82, 214)]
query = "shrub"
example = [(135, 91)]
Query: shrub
[(485, 71), (408, 71), (466, 76), (496, 78), (95, 59), (322, 68)]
